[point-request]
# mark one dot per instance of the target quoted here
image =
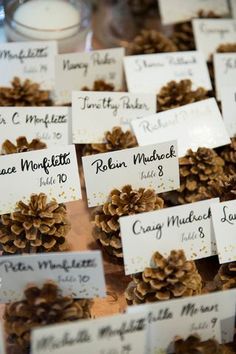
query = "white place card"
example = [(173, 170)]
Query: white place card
[(51, 171), (186, 227), (229, 109), (2, 346), (76, 70), (203, 314), (154, 166), (150, 72), (194, 125), (28, 60), (233, 8), (225, 71), (209, 34), (185, 10), (52, 125), (94, 113), (224, 221), (118, 334), (79, 274)]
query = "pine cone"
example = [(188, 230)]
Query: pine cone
[(141, 7), (194, 345), (34, 227), (223, 187), (115, 140), (226, 276), (22, 145), (99, 85), (24, 93), (40, 307), (228, 154), (176, 94), (171, 277), (149, 42), (226, 48), (126, 201)]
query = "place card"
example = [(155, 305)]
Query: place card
[(224, 221), (28, 60), (79, 274), (225, 71), (233, 8), (49, 124), (51, 171), (211, 33), (117, 334), (154, 166), (76, 70), (94, 113), (186, 227), (204, 315), (194, 125), (150, 72), (229, 109), (2, 346), (185, 10)]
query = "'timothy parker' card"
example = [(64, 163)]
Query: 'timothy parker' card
[(79, 274), (49, 124), (94, 113), (204, 315), (148, 73), (154, 166), (28, 60), (185, 10), (119, 334), (76, 70), (225, 71), (186, 227), (224, 221), (194, 125), (229, 109), (211, 33), (51, 171)]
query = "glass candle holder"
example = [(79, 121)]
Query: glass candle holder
[(66, 21)]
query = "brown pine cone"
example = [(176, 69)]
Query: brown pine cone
[(176, 94), (126, 201), (114, 140), (40, 307), (223, 187), (171, 277), (34, 227), (194, 345), (228, 154), (24, 93), (99, 85), (22, 145), (226, 276), (149, 42), (226, 48), (141, 7)]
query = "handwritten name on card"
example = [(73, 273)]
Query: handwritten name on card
[(194, 125), (154, 166), (149, 72), (28, 60), (2, 346), (225, 71), (197, 314), (224, 221), (94, 113), (209, 34), (49, 124), (51, 171), (229, 109), (78, 273), (188, 227), (185, 10), (74, 71), (119, 334)]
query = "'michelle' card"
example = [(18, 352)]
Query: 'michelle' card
[(51, 171), (153, 166)]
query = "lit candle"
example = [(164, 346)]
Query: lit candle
[(46, 20)]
